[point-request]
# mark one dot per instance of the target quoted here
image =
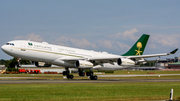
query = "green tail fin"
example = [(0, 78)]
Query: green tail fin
[(138, 47)]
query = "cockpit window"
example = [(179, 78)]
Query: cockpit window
[(12, 44), (7, 43)]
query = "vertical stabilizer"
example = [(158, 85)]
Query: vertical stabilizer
[(138, 47)]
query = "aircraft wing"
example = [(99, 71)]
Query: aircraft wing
[(136, 57), (152, 55), (112, 59)]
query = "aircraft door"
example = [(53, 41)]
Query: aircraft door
[(23, 45)]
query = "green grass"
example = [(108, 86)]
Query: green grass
[(89, 91)]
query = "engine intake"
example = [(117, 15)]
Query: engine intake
[(119, 61), (77, 64)]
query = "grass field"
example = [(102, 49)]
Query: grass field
[(89, 91), (134, 91)]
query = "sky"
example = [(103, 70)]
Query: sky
[(112, 26)]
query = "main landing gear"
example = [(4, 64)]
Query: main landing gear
[(90, 73), (67, 74), (81, 73)]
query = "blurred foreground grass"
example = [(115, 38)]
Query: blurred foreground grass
[(89, 91)]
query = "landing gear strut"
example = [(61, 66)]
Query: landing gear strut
[(90, 74), (67, 74)]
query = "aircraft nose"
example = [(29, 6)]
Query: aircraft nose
[(3, 48)]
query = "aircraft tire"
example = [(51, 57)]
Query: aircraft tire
[(68, 76), (64, 73), (81, 74), (90, 73), (67, 72), (71, 76), (95, 77), (91, 77)]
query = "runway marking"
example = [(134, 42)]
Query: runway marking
[(87, 81), (25, 80), (138, 75)]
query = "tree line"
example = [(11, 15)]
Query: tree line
[(13, 62)]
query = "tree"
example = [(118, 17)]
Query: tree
[(11, 63), (2, 62), (25, 62)]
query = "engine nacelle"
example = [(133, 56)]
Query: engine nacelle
[(125, 62), (83, 64)]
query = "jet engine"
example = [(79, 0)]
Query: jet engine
[(125, 62), (83, 64)]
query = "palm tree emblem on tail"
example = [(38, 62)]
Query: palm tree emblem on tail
[(139, 46)]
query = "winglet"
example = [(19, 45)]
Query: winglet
[(174, 51)]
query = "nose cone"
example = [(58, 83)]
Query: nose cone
[(4, 48)]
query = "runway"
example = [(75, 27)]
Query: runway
[(25, 80), (86, 81), (140, 75)]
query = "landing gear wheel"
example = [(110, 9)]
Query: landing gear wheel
[(93, 77), (70, 76), (65, 73), (88, 74), (81, 72), (91, 74)]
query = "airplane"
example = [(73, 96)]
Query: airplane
[(79, 58)]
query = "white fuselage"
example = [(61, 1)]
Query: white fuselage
[(54, 54)]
